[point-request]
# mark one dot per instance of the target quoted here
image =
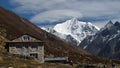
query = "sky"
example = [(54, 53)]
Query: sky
[(50, 12)]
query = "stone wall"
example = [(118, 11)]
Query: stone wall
[(27, 50)]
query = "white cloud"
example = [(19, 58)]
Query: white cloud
[(57, 10), (101, 24), (55, 16)]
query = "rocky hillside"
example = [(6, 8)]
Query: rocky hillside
[(2, 37), (106, 42)]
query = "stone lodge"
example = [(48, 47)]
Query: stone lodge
[(27, 45)]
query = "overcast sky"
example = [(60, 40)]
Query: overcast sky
[(50, 12)]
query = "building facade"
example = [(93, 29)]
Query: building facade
[(27, 46)]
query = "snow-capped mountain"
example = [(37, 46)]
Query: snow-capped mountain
[(105, 43), (73, 31)]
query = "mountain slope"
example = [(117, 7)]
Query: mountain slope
[(2, 37), (16, 26), (106, 42), (73, 31)]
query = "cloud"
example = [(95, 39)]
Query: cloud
[(55, 16), (56, 10), (101, 24)]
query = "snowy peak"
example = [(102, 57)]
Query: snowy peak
[(109, 24), (117, 23), (105, 43), (73, 30), (66, 27), (74, 21), (72, 25), (91, 25), (76, 29)]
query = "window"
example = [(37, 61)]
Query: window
[(34, 55), (26, 38), (18, 46), (26, 46), (34, 46)]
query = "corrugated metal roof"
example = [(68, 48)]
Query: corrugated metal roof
[(56, 59)]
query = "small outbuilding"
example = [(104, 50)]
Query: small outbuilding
[(27, 45), (57, 59)]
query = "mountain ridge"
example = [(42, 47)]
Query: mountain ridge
[(73, 30), (106, 42)]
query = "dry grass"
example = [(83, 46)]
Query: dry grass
[(118, 66), (9, 60), (57, 65), (1, 59), (2, 38)]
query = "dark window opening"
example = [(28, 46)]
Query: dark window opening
[(26, 46), (35, 55), (26, 38), (18, 46), (34, 46)]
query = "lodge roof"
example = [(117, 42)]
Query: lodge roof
[(25, 38)]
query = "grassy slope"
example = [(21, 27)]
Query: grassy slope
[(8, 60), (2, 37)]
